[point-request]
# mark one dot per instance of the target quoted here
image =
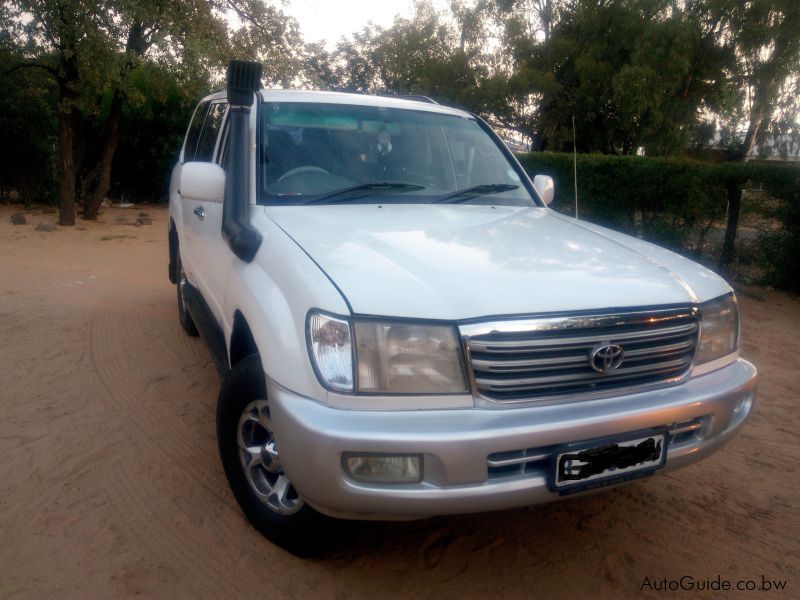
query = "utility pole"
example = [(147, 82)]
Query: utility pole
[(575, 165)]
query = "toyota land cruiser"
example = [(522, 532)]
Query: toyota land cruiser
[(404, 328)]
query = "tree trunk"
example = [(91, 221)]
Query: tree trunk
[(752, 134), (70, 119), (87, 182), (734, 186), (135, 47), (67, 167), (110, 140), (734, 208)]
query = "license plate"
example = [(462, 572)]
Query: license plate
[(598, 463)]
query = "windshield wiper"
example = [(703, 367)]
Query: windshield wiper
[(476, 190), (382, 186)]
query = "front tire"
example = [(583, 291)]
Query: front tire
[(252, 465)]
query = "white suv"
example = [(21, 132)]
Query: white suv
[(404, 328)]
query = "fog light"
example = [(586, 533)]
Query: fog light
[(382, 468)]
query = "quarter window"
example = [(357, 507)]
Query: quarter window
[(193, 135), (208, 137)]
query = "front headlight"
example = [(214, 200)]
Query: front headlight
[(406, 358), (390, 357), (719, 328)]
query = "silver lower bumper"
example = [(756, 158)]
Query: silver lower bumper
[(457, 443)]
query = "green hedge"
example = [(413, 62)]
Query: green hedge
[(683, 204)]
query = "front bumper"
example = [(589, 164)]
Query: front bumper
[(458, 445)]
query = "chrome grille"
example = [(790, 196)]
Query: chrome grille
[(537, 358)]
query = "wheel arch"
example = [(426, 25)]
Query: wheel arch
[(173, 251), (243, 343)]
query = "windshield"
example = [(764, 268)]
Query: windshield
[(337, 153)]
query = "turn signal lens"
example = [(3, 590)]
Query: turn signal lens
[(331, 350)]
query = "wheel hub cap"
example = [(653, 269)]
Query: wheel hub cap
[(258, 455), (269, 458)]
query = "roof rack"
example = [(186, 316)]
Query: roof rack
[(415, 98)]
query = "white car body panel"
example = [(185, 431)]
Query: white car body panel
[(209, 267), (704, 283), (357, 100), (275, 292), (454, 262)]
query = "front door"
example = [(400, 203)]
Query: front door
[(210, 256)]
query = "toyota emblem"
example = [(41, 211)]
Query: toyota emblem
[(606, 358)]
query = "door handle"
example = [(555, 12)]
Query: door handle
[(200, 212)]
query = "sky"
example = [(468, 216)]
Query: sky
[(329, 20)]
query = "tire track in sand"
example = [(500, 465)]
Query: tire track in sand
[(175, 483)]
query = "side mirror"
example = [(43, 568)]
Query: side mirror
[(204, 181), (544, 185)]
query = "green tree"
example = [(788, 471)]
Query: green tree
[(28, 123), (633, 73), (764, 39), (422, 55), (91, 47), (154, 117)]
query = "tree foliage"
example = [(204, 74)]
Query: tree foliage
[(422, 55), (28, 123), (154, 121), (638, 76), (97, 79), (632, 77), (90, 48), (763, 37)]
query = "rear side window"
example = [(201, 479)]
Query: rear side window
[(210, 132), (193, 135)]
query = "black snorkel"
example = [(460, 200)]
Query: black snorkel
[(244, 80)]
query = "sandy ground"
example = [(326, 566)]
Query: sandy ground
[(111, 486)]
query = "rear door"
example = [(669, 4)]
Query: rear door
[(187, 155), (210, 256)]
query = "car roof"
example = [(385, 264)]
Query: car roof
[(353, 99)]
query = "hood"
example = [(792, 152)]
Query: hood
[(456, 262)]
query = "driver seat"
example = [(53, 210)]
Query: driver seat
[(316, 149), (280, 154)]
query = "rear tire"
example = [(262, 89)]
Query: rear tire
[(252, 465), (183, 313)]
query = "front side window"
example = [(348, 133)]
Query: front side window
[(337, 153)]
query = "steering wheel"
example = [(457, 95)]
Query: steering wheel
[(304, 169)]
